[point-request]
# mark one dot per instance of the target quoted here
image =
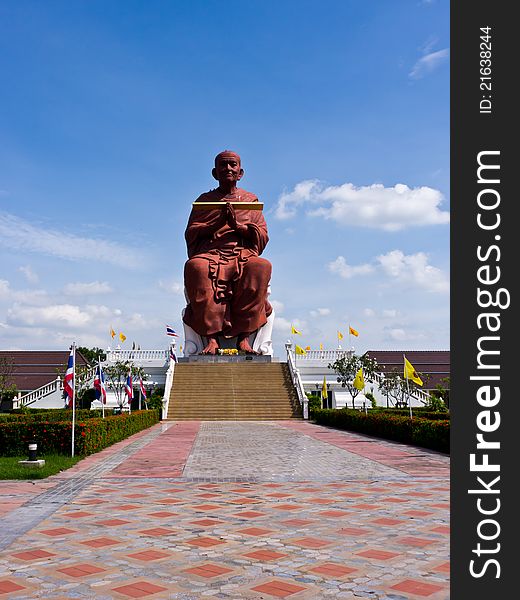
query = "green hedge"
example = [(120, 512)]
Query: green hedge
[(422, 412), (427, 433), (90, 435), (51, 414)]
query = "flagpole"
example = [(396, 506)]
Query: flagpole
[(101, 388), (73, 393), (364, 388), (407, 386)]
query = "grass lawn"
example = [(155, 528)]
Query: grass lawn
[(54, 463)]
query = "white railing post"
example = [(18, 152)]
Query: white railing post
[(296, 379), (169, 379)]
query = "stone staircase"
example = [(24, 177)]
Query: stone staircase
[(232, 392)]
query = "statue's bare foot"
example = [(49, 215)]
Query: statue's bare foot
[(212, 347), (244, 345)]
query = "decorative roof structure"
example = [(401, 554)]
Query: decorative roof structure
[(34, 368), (434, 364)]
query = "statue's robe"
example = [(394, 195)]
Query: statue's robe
[(225, 278)]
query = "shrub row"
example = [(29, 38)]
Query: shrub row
[(50, 414), (427, 433), (421, 412), (90, 435)]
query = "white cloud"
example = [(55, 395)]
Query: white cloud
[(172, 287), (320, 312), (401, 335), (397, 334), (53, 315), (277, 306), (23, 296), (369, 312), (288, 202), (139, 321), (282, 324), (60, 315), (29, 274), (17, 234), (5, 288), (390, 313), (411, 269), (87, 289), (428, 63), (99, 311), (414, 268), (376, 206), (346, 271)]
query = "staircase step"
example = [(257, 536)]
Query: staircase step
[(232, 391)]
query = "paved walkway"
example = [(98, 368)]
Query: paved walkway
[(234, 510)]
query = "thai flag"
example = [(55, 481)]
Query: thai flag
[(68, 382), (172, 355), (141, 387), (129, 388), (99, 385), (170, 331)]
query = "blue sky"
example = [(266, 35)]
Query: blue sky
[(112, 112)]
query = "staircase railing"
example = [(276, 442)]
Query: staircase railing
[(415, 392), (136, 355), (325, 356), (53, 387), (37, 394), (169, 380), (297, 381)]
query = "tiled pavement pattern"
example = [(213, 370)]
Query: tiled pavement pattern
[(260, 510)]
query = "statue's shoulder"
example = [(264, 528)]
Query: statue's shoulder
[(210, 196), (246, 196)]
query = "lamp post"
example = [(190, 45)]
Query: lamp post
[(32, 461)]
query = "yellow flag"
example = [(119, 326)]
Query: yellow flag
[(299, 350), (411, 373), (359, 380), (324, 393), (321, 346), (340, 335), (112, 333), (122, 336), (307, 347), (353, 331), (294, 330)]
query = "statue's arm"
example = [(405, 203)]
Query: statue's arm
[(251, 226)]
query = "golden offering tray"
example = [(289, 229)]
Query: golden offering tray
[(235, 205)]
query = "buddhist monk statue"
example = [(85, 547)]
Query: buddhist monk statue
[(226, 280)]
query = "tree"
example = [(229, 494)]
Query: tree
[(347, 367), (116, 375), (92, 354), (8, 389), (394, 386), (442, 394)]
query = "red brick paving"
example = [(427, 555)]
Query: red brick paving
[(8, 587), (420, 588), (81, 570), (33, 554), (140, 589), (332, 570), (265, 555), (367, 510), (208, 570), (280, 589)]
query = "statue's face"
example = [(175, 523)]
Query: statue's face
[(228, 170)]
